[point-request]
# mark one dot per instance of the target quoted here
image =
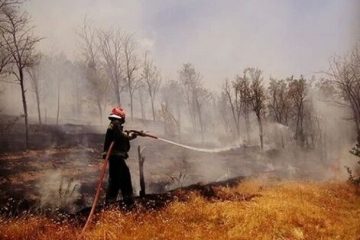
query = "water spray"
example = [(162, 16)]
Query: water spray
[(207, 150), (142, 134)]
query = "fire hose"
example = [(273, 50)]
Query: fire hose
[(102, 175), (142, 134)]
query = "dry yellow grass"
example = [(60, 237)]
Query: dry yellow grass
[(287, 210)]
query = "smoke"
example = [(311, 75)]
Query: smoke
[(329, 138), (205, 33), (58, 191), (278, 45), (61, 184)]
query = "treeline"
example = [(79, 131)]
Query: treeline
[(284, 101), (111, 68)]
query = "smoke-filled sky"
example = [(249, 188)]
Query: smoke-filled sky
[(220, 37)]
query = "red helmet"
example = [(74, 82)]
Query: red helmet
[(117, 113)]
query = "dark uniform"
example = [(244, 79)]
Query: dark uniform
[(119, 174)]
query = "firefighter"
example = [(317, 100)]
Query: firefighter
[(119, 174)]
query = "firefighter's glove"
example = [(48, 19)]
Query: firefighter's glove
[(132, 135)]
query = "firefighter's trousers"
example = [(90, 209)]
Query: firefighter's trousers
[(119, 179)]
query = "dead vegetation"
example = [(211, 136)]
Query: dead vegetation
[(281, 210)]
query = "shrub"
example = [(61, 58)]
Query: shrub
[(355, 151)]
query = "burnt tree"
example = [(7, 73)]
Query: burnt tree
[(298, 96), (110, 45), (131, 67), (345, 74), (152, 80), (92, 65), (34, 75), (232, 94), (19, 41), (5, 56), (172, 97), (279, 101), (189, 79), (257, 96), (243, 86), (195, 94)]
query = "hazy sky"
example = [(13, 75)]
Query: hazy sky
[(220, 37)]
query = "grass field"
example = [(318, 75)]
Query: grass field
[(281, 210)]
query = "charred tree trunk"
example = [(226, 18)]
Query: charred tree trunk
[(35, 81), (236, 120), (153, 108), (198, 107), (299, 126), (178, 113), (100, 111), (142, 103), (117, 92), (23, 90), (232, 107), (77, 97), (38, 105), (261, 133), (141, 172), (247, 126), (191, 114), (131, 105), (58, 106)]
